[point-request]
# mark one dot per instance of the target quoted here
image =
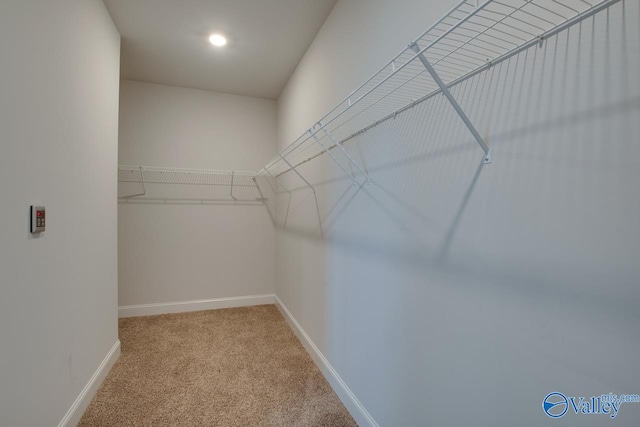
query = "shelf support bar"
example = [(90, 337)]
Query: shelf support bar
[(487, 153), (326, 150), (339, 145), (286, 215), (315, 196), (231, 191), (275, 191), (293, 168), (275, 194), (144, 187), (255, 181)]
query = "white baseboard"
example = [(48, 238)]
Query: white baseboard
[(73, 415), (350, 401), (197, 305)]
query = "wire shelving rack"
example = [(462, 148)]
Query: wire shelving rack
[(473, 36), (156, 183), (470, 38)]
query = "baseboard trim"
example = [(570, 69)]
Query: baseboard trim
[(197, 305), (74, 414), (350, 401)]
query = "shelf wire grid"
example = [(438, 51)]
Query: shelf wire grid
[(156, 183), (471, 36)]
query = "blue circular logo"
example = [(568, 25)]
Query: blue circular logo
[(555, 404)]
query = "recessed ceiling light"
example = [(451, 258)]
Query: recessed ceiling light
[(217, 40)]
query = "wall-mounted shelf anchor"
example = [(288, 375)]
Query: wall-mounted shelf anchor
[(487, 158)]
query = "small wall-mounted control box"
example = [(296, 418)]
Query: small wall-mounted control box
[(38, 216)]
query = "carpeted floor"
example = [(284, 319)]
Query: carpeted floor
[(230, 367)]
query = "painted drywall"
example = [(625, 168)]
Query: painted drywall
[(451, 294), (58, 148), (173, 252)]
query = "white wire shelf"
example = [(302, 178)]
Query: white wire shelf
[(471, 37), (157, 183)]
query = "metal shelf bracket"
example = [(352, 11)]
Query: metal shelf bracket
[(315, 196), (298, 173), (338, 144), (445, 91), (335, 160), (286, 215), (231, 190)]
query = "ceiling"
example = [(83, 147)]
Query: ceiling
[(166, 41)]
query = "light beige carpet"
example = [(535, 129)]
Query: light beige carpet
[(230, 367)]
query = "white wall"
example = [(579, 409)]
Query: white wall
[(436, 321), (171, 252), (58, 147)]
